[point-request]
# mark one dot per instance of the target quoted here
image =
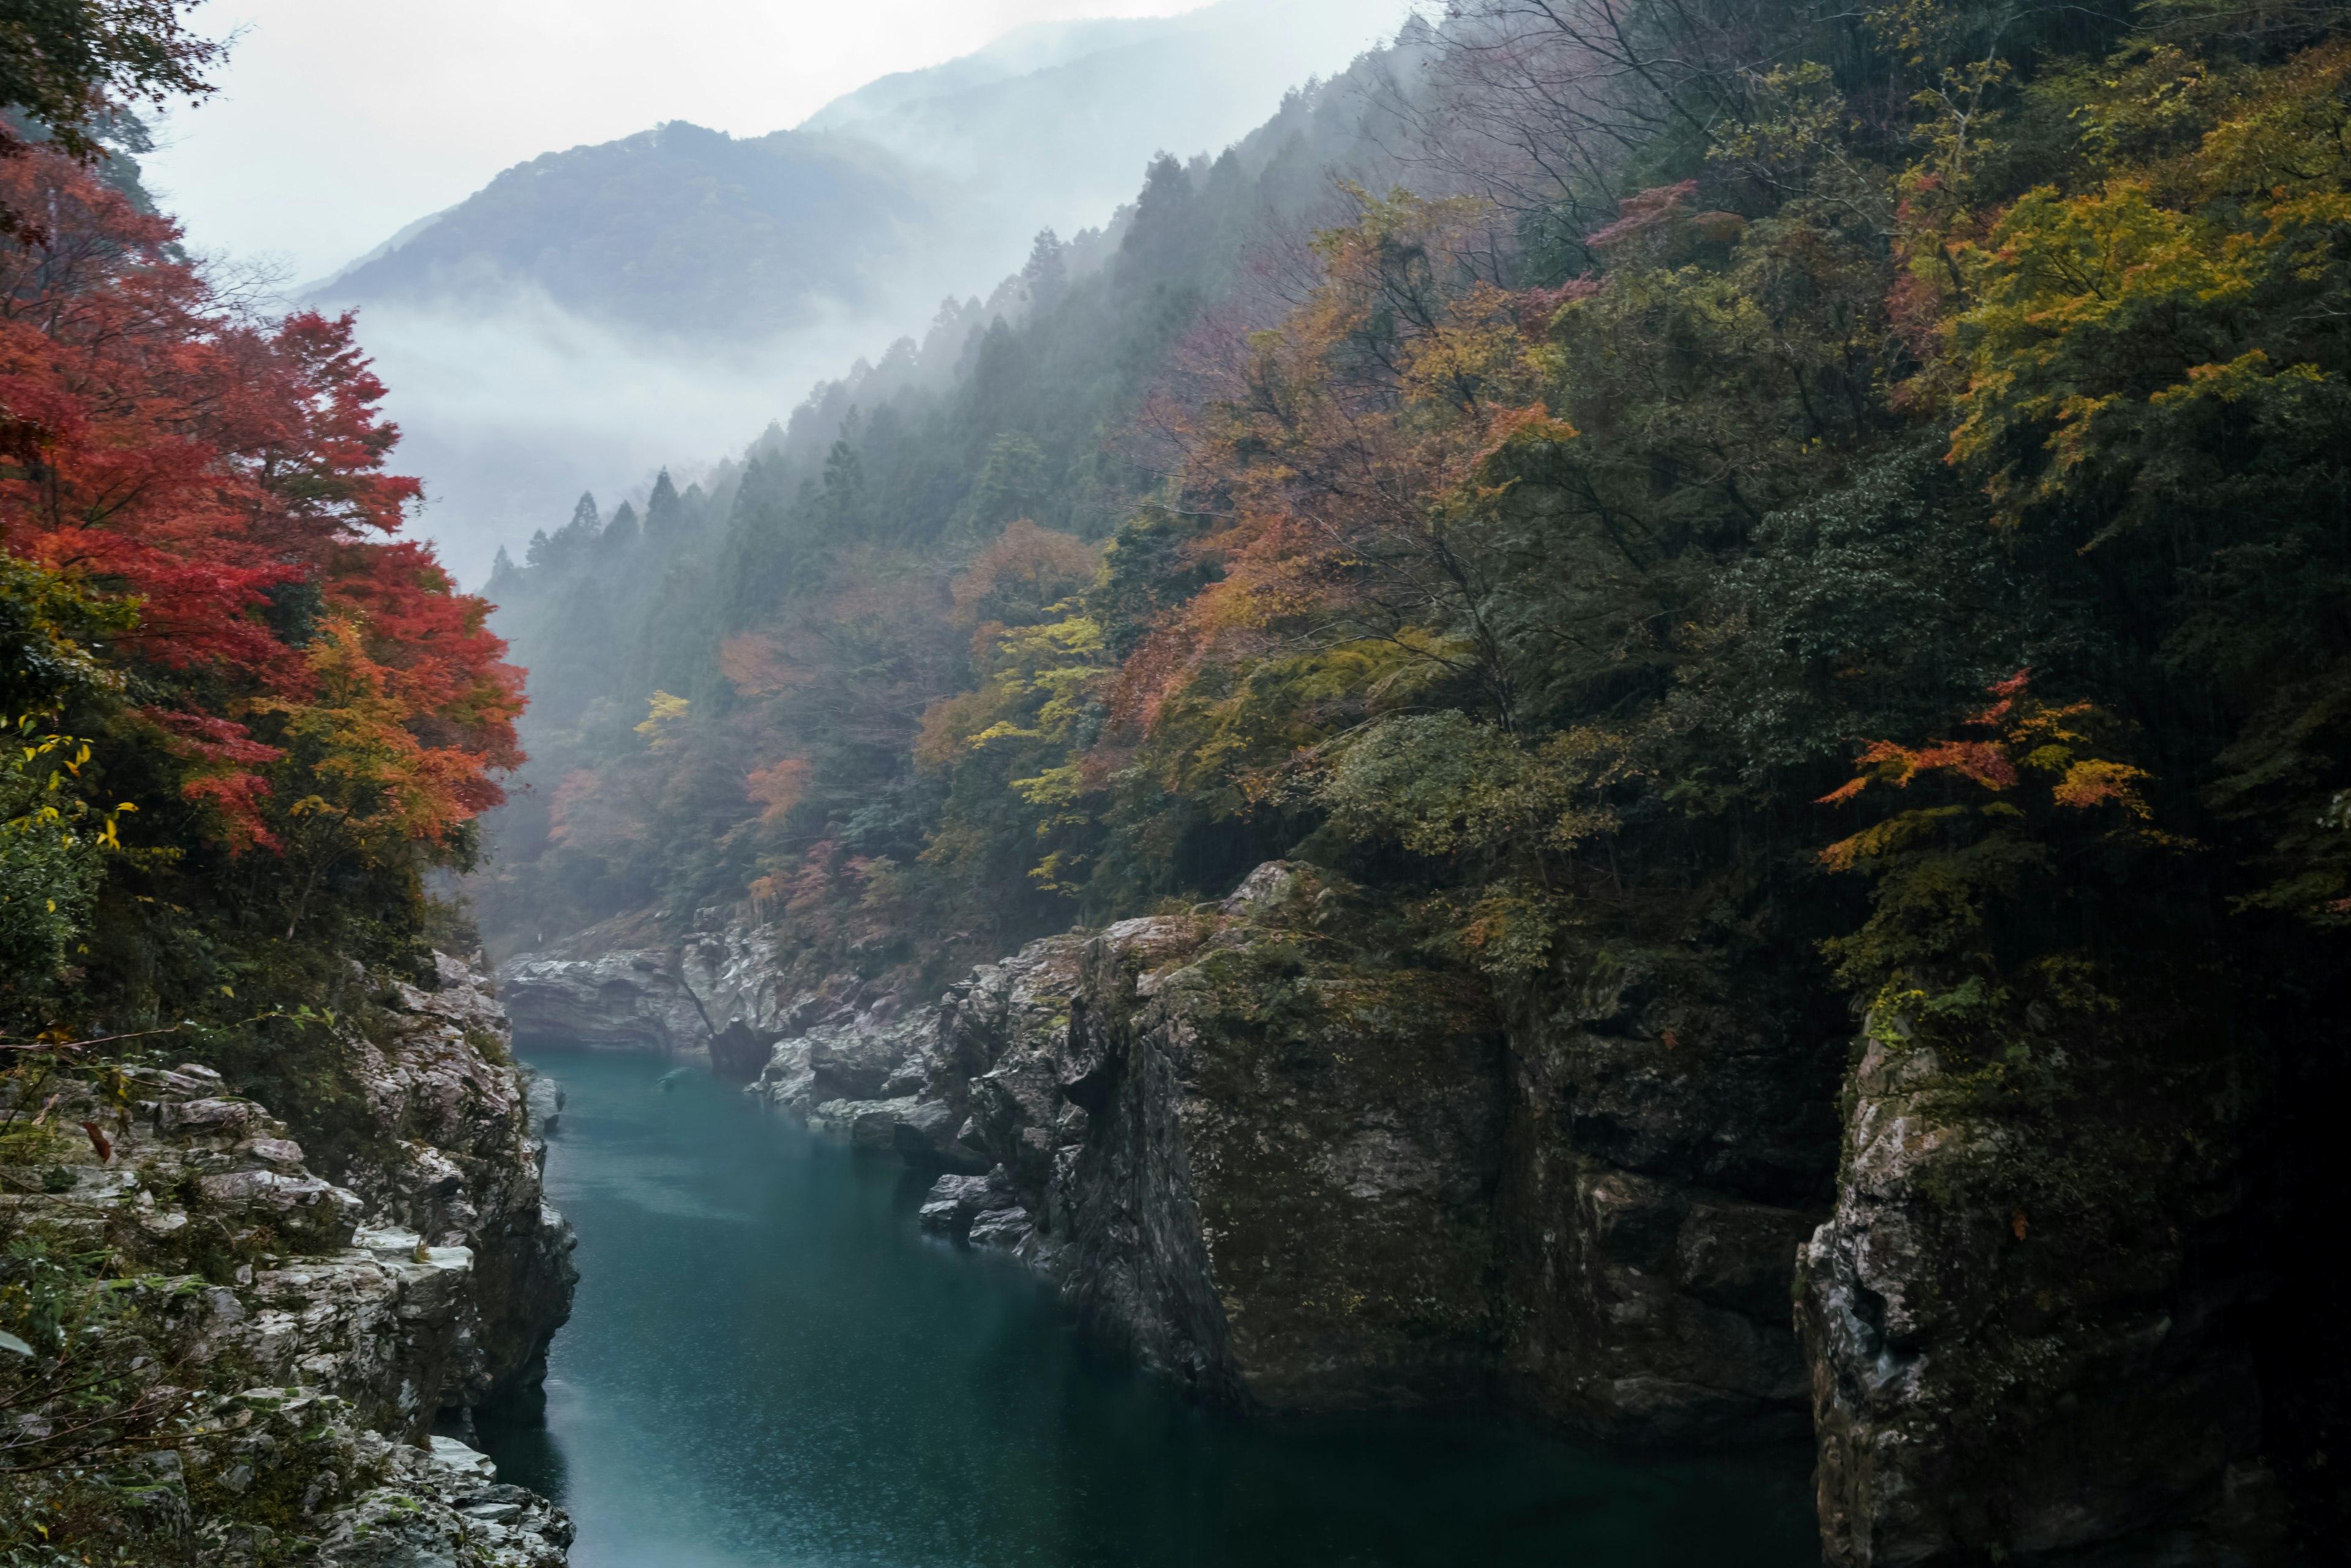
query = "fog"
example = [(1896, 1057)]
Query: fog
[(528, 332), (509, 410)]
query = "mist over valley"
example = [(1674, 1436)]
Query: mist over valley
[(1295, 786), (597, 312)]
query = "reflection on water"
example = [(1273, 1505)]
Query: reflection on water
[(768, 1365)]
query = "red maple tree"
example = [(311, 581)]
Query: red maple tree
[(226, 471)]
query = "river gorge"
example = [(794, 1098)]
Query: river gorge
[(768, 1363)]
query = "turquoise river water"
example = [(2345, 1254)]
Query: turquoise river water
[(768, 1365)]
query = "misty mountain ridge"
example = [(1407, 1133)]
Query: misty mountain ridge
[(920, 184), (1038, 46), (677, 229)]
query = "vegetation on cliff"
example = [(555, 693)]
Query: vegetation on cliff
[(1945, 386), (246, 719), (1854, 497), (250, 716)]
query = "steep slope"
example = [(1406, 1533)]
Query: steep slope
[(594, 312), (1859, 716)]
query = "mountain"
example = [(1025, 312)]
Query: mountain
[(919, 183), (589, 313), (1048, 126), (677, 228), (1040, 46)]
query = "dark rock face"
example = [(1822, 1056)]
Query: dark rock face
[(1287, 1172), (1670, 1146), (2026, 1318), (1268, 1175), (1285, 1190), (739, 1051)]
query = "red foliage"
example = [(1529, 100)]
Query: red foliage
[(157, 445)]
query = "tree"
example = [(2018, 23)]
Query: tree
[(70, 66), (227, 477), (664, 514), (620, 533), (1011, 482), (1044, 278)]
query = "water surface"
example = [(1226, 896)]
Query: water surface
[(768, 1365)]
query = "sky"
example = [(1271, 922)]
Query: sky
[(337, 122)]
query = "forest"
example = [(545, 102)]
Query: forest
[(249, 717), (1846, 502), (1568, 479), (1947, 402)]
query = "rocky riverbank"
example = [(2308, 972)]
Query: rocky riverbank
[(1286, 1168), (255, 1341)]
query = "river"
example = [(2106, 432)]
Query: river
[(768, 1365)]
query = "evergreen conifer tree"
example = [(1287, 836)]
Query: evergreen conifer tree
[(663, 513), (1045, 278), (622, 533), (505, 576)]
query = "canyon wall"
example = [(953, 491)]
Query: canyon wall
[(1284, 1167), (295, 1321)]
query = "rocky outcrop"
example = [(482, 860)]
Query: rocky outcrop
[(456, 1159), (1267, 1173), (1280, 1167), (347, 1495), (1672, 1141), (2026, 1318), (722, 989), (963, 1086), (2057, 1306), (285, 1329), (632, 999)]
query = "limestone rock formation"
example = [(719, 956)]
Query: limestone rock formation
[(722, 990), (633, 997), (292, 1324), (461, 1167)]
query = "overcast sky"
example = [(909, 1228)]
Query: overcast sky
[(338, 122)]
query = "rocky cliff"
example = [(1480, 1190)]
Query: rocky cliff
[(1289, 1168), (236, 1349), (1672, 1139), (1269, 1159), (722, 990), (2027, 1319), (1266, 1174)]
